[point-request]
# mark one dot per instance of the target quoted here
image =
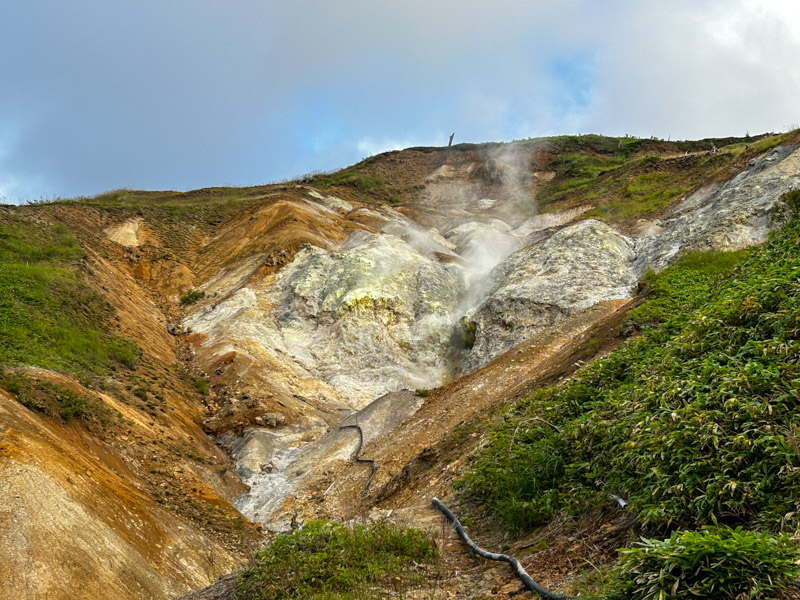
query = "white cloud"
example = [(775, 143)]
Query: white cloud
[(700, 69), (369, 146)]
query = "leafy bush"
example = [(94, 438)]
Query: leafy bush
[(201, 385), (192, 297), (329, 560), (789, 208), (713, 563), (694, 421)]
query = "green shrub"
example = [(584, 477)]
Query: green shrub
[(713, 563), (192, 297), (789, 208), (329, 560), (201, 385)]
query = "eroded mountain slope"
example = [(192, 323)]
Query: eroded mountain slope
[(310, 301)]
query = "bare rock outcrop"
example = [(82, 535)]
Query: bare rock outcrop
[(369, 319), (575, 268), (731, 216)]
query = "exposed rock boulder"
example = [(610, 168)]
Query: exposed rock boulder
[(727, 217), (533, 288), (132, 233), (369, 319)]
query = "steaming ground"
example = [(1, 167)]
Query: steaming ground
[(398, 305)]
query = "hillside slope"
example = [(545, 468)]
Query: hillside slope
[(186, 342)]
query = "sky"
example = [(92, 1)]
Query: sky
[(146, 94)]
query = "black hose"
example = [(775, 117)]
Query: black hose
[(359, 459), (521, 573)]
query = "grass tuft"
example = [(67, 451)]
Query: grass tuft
[(192, 297), (331, 561)]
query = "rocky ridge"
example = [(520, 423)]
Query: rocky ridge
[(380, 314)]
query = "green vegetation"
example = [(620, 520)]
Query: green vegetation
[(579, 170), (422, 393), (713, 563), (694, 422), (48, 316), (789, 208), (644, 194), (331, 561), (55, 400), (684, 286), (201, 385), (351, 176), (192, 296), (629, 178)]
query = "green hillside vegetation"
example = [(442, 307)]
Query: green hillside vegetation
[(326, 560), (694, 422), (629, 178), (50, 318)]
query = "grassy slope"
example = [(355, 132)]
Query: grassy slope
[(628, 178), (694, 422), (50, 318)]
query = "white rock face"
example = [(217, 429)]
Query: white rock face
[(728, 217), (132, 233), (332, 202), (578, 266), (378, 314), (367, 320)]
